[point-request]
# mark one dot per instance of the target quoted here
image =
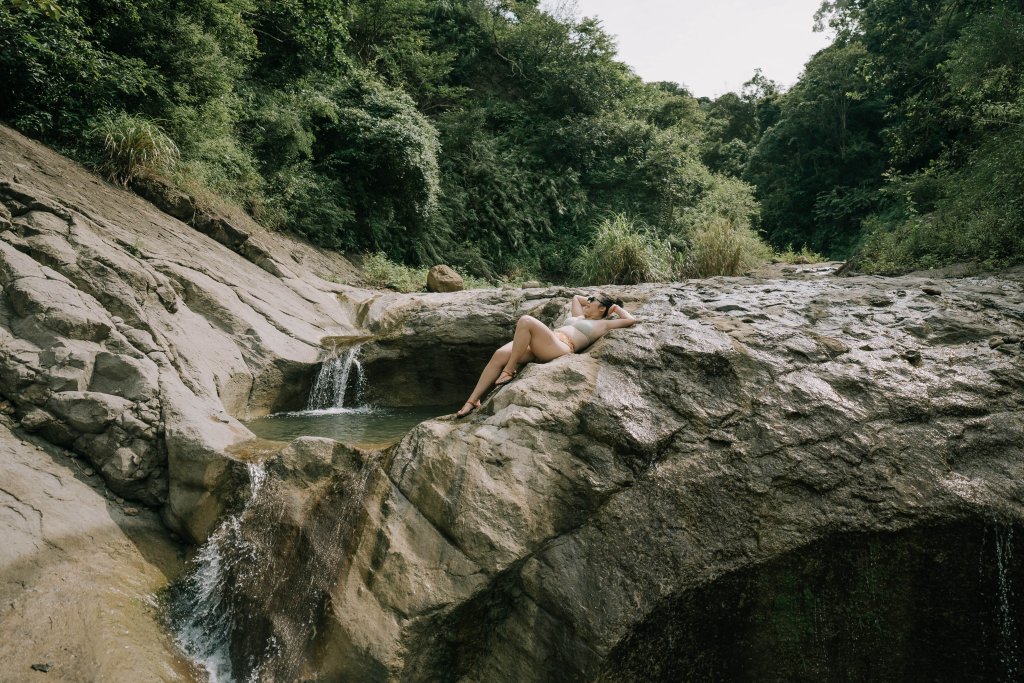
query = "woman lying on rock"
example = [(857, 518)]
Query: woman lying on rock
[(592, 317)]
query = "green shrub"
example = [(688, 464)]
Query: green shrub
[(724, 197), (474, 282), (622, 252), (381, 272), (973, 215), (804, 256), (221, 167), (133, 147), (720, 247)]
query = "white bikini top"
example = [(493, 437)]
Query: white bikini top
[(586, 327)]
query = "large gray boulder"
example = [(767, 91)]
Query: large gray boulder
[(138, 341), (739, 422)]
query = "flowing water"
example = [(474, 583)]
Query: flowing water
[(200, 611), (1009, 651), (246, 610), (335, 410), (332, 384)]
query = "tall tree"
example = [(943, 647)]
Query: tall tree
[(818, 169)]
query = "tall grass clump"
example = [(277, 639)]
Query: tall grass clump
[(381, 272), (720, 247), (804, 256), (133, 147), (623, 252)]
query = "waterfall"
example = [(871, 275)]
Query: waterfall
[(331, 384), (1008, 653), (200, 609), (251, 600)]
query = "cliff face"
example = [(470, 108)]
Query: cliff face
[(134, 340), (130, 343), (580, 516), (548, 536)]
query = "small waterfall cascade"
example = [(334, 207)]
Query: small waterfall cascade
[(252, 599), (200, 609), (1008, 648), (332, 382)]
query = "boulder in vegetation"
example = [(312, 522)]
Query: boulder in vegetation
[(444, 279)]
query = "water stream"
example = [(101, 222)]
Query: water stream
[(200, 611), (331, 386), (1009, 652), (335, 410), (250, 600)]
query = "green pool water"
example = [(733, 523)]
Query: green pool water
[(364, 426)]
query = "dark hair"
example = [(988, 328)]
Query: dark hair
[(607, 301)]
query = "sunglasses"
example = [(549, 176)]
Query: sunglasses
[(606, 304)]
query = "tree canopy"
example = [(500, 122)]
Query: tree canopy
[(496, 136)]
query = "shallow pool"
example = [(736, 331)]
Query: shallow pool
[(363, 426)]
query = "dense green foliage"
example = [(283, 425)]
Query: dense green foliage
[(500, 138), (819, 168), (487, 134), (901, 143)]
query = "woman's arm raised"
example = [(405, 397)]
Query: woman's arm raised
[(625, 319), (577, 305)]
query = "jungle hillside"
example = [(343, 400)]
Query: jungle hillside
[(510, 142)]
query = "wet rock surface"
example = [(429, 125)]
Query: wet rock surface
[(741, 420), (78, 575), (138, 341)]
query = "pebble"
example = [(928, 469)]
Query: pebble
[(995, 342), (931, 291), (44, 667), (1011, 339), (913, 357)]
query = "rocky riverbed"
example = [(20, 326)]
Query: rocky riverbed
[(740, 422), (566, 531)]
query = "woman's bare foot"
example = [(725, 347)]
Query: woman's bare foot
[(467, 408)]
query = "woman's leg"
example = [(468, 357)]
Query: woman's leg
[(491, 371), (533, 336)]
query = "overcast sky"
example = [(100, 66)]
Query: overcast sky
[(710, 46)]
